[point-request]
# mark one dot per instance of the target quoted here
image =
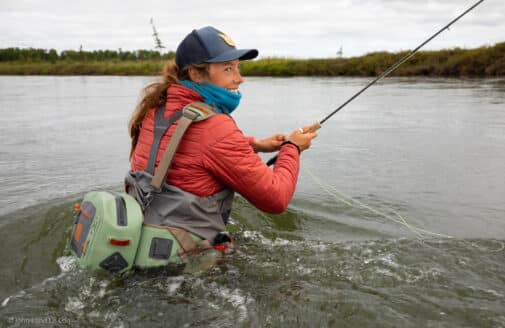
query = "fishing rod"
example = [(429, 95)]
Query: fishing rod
[(316, 126)]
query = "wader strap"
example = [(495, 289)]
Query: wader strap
[(194, 112), (160, 127), (162, 171)]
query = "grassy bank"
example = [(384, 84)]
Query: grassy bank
[(485, 61), (479, 62)]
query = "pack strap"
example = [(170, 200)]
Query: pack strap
[(194, 112), (188, 245), (160, 127)]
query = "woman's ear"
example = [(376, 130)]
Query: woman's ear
[(194, 75)]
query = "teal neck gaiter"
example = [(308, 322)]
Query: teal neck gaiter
[(223, 100)]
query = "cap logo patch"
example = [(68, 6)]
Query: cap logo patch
[(227, 39)]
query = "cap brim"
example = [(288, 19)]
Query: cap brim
[(240, 54)]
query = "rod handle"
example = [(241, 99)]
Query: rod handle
[(312, 128)]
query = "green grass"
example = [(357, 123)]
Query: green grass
[(484, 61)]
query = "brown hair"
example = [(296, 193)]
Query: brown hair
[(155, 95)]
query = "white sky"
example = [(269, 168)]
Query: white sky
[(291, 28)]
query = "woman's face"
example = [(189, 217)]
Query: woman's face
[(225, 75)]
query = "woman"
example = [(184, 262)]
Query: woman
[(214, 157)]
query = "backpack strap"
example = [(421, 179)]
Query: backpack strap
[(203, 110), (160, 127), (194, 112)]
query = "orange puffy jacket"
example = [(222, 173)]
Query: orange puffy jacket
[(214, 154)]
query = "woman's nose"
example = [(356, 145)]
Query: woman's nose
[(238, 78)]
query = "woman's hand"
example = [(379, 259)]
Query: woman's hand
[(268, 145), (302, 137)]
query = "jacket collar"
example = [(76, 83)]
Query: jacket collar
[(179, 96)]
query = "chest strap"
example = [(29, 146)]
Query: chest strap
[(194, 112)]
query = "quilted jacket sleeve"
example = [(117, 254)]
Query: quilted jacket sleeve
[(231, 159)]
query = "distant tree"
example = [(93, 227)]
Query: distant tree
[(157, 42), (52, 56), (340, 52)]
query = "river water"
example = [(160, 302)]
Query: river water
[(398, 219)]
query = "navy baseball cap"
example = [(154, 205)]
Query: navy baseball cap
[(209, 45)]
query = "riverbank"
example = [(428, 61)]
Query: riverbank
[(479, 62)]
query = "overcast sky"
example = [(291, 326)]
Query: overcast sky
[(292, 28)]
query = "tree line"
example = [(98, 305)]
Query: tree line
[(35, 55)]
